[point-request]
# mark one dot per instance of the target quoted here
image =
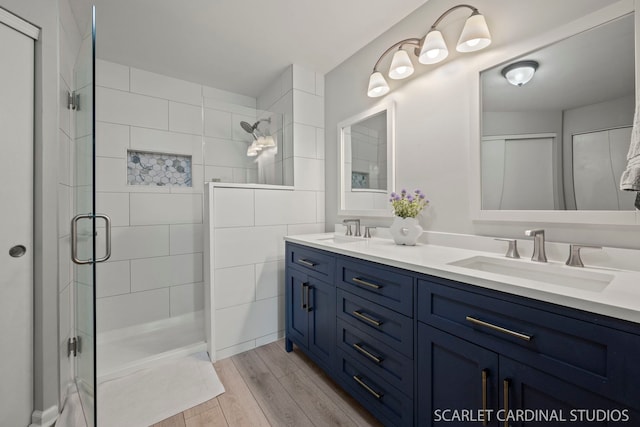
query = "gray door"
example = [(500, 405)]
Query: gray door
[(16, 226)]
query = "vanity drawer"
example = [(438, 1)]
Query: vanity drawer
[(388, 404), (382, 285), (387, 326), (590, 355), (308, 259), (387, 363)]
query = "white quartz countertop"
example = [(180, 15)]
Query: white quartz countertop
[(619, 299)]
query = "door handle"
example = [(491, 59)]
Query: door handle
[(107, 236), (74, 238)]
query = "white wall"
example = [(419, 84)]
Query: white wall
[(436, 111), (247, 225), (45, 14)]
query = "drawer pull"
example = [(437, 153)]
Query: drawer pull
[(309, 308), (505, 397), (306, 262), (370, 355), (499, 329), (303, 294), (485, 374), (367, 318), (359, 281), (366, 387)]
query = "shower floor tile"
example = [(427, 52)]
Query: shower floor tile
[(121, 351)]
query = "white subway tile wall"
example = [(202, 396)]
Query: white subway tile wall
[(156, 269), (247, 226)]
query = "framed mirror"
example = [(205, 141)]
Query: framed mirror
[(366, 156), (554, 134)]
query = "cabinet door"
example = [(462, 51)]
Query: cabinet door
[(454, 377), (296, 302), (547, 400), (322, 320)]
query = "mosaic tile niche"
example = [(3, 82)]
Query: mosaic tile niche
[(159, 169)]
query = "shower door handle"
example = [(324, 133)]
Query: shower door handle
[(107, 236), (74, 238)]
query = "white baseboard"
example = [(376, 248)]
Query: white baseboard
[(44, 418)]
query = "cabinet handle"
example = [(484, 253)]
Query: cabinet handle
[(359, 281), (309, 287), (366, 387), (367, 318), (485, 374), (499, 329), (370, 355), (303, 294), (505, 391), (307, 263)]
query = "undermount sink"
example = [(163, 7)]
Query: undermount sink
[(340, 239), (554, 274)]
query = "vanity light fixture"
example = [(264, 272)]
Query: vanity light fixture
[(520, 73), (429, 49)]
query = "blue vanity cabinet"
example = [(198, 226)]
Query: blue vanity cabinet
[(418, 350), (551, 360), (454, 375), (310, 297), (375, 338)]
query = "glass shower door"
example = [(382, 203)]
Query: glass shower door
[(83, 225)]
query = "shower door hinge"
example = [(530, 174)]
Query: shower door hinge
[(73, 346), (73, 101)]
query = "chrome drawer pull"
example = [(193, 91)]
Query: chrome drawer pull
[(359, 281), (367, 318), (366, 387), (303, 302), (499, 329), (370, 355), (307, 263)]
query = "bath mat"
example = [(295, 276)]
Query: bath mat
[(150, 395)]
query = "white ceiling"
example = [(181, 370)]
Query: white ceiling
[(591, 67), (237, 45)]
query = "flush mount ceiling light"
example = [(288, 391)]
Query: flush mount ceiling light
[(520, 73), (429, 49)]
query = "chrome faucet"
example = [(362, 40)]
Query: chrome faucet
[(574, 259), (348, 224), (538, 244)]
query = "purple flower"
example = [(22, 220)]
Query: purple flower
[(422, 196), (393, 194), (410, 198), (403, 192)]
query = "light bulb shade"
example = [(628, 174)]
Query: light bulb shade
[(475, 34), (378, 86), (434, 48), (520, 73), (401, 66)]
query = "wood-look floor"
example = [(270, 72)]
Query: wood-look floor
[(270, 387)]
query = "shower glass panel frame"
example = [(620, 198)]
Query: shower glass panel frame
[(84, 225)]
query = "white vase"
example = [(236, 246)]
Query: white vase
[(405, 231)]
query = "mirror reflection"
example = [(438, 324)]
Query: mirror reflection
[(366, 165), (556, 124)]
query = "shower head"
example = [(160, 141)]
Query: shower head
[(250, 129), (247, 127)]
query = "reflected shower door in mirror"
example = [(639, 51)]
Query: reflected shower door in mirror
[(366, 155), (555, 133)]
